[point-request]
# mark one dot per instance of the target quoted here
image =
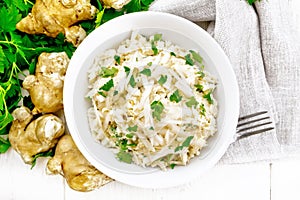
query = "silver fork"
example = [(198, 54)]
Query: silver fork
[(254, 124)]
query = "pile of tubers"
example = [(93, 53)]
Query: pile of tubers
[(39, 130)]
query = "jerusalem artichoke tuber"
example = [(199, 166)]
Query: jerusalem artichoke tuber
[(78, 172), (46, 86), (51, 17), (29, 137)]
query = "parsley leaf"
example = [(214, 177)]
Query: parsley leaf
[(157, 37), (208, 97), (196, 56), (175, 97), (172, 166), (9, 17), (189, 60), (124, 157), (117, 59), (129, 135), (146, 72), (201, 74), (116, 92), (202, 109), (132, 128), (251, 1), (4, 145), (199, 87), (99, 18), (108, 72), (102, 93), (127, 70), (3, 61), (22, 5), (186, 143), (157, 108), (146, 2), (162, 79), (123, 144), (49, 153), (133, 6), (108, 85), (172, 54), (154, 48), (132, 81), (192, 102)]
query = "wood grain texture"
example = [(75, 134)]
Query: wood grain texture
[(19, 182), (249, 181)]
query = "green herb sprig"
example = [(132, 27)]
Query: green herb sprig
[(186, 143)]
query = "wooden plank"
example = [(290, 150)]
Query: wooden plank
[(247, 181), (285, 179), (19, 182)]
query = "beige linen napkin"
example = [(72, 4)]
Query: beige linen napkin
[(264, 51)]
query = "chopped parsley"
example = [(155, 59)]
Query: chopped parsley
[(199, 87), (149, 64), (102, 93), (108, 85), (186, 143), (123, 143), (191, 102), (132, 128), (108, 72), (154, 48), (132, 81), (129, 135), (146, 72), (162, 79), (176, 97), (172, 166), (172, 54), (116, 92), (157, 108), (196, 56), (157, 37), (127, 70), (201, 74), (202, 109), (208, 97), (117, 59), (251, 1), (151, 128), (124, 157), (189, 60)]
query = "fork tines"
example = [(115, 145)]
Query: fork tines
[(254, 124)]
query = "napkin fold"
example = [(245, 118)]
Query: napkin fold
[(263, 46)]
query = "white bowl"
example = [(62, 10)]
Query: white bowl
[(181, 32)]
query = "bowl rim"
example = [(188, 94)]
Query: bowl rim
[(138, 180)]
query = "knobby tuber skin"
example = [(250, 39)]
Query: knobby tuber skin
[(46, 86), (116, 4), (51, 17), (29, 138), (78, 172)]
